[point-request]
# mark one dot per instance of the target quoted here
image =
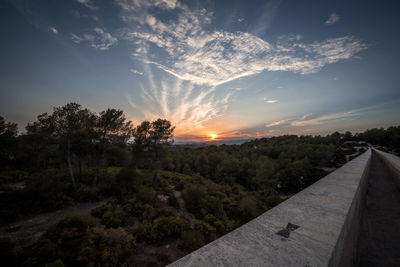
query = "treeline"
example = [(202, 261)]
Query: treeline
[(285, 163), (388, 138), (161, 195), (77, 143)]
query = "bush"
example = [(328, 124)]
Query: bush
[(114, 218), (194, 200), (166, 227), (214, 206), (86, 193), (173, 201), (56, 263), (208, 231), (191, 240), (69, 234), (107, 247), (40, 253), (162, 229), (7, 255)]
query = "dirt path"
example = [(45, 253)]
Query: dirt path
[(380, 233), (182, 210), (26, 232)]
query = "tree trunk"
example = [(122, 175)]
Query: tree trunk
[(71, 171), (80, 167), (96, 175)]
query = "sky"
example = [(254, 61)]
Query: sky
[(221, 70)]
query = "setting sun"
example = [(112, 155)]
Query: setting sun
[(213, 136)]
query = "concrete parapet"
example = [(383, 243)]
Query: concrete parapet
[(321, 224), (393, 162)]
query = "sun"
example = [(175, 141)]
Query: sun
[(213, 136)]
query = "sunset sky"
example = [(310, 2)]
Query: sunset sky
[(236, 69)]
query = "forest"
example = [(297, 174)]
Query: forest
[(153, 201)]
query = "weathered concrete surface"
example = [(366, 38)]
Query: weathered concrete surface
[(393, 162), (325, 212), (379, 236)]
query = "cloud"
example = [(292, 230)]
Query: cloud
[(270, 101), (87, 3), (306, 116), (322, 119), (192, 52), (185, 104), (275, 123), (136, 72), (333, 18), (136, 6), (101, 40), (53, 30)]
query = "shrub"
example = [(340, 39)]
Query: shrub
[(56, 263), (86, 193), (38, 254), (107, 247), (173, 201), (165, 227), (192, 240), (7, 255), (194, 199), (69, 234), (208, 231), (113, 218), (214, 206), (162, 229)]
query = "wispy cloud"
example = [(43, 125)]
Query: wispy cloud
[(87, 3), (275, 123), (100, 40), (53, 30), (136, 72), (333, 18), (306, 116), (322, 119), (214, 57), (187, 105), (270, 101)]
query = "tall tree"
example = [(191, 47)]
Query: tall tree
[(111, 128), (8, 134), (151, 140)]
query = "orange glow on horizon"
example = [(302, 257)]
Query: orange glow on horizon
[(213, 136)]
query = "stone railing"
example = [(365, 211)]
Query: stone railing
[(316, 227), (393, 162)]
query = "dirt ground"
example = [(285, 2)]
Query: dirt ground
[(379, 243), (26, 232)]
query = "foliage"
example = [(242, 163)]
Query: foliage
[(107, 247), (192, 240)]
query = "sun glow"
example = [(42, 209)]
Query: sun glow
[(213, 136)]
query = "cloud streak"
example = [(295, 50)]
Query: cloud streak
[(53, 30), (275, 123), (323, 119), (100, 39), (216, 57), (270, 101), (333, 18)]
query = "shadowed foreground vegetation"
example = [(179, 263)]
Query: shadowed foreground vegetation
[(166, 200)]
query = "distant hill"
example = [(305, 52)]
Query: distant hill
[(217, 143)]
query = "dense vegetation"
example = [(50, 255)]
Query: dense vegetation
[(165, 200)]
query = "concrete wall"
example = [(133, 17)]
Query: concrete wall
[(393, 162), (326, 212)]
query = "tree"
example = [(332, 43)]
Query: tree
[(71, 124), (152, 139), (8, 134), (111, 128), (70, 127)]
